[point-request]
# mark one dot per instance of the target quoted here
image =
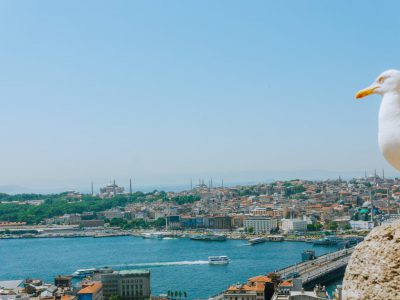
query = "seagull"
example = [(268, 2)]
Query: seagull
[(388, 86)]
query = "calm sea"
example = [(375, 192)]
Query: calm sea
[(175, 264)]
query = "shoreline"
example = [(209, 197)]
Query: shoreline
[(106, 233)]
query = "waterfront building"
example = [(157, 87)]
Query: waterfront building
[(127, 284), (361, 225), (173, 222), (292, 225), (260, 224), (9, 225), (220, 222), (91, 291)]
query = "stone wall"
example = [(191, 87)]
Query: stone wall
[(374, 268)]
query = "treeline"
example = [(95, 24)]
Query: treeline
[(60, 204), (25, 197)]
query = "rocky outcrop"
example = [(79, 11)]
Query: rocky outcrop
[(374, 268)]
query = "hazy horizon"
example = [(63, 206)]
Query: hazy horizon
[(163, 92), (231, 179)]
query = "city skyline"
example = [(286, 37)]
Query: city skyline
[(162, 93)]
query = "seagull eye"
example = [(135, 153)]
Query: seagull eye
[(381, 80)]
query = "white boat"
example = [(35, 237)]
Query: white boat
[(257, 240), (218, 260), (153, 235), (83, 272)]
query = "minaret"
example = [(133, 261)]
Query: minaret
[(372, 206), (191, 184), (388, 202), (222, 183), (92, 187), (130, 186), (383, 175), (114, 187)]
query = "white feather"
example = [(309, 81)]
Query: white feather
[(389, 128)]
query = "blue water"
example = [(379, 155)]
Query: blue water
[(175, 264)]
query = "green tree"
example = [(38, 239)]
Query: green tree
[(346, 226), (332, 225)]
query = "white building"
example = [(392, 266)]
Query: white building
[(361, 225), (260, 224), (292, 225)]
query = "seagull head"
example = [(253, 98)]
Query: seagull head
[(387, 82)]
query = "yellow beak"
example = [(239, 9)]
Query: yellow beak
[(365, 92)]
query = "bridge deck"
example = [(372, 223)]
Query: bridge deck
[(313, 269)]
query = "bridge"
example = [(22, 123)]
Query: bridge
[(320, 270)]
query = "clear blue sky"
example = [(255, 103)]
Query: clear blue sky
[(162, 91)]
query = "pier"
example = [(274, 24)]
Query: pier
[(321, 270)]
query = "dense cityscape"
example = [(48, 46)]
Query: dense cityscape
[(331, 212)]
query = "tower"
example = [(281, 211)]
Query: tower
[(92, 187), (130, 186), (388, 202), (372, 206)]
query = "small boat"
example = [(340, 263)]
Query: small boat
[(218, 260), (208, 237), (257, 240)]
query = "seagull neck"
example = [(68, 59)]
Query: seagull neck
[(390, 106)]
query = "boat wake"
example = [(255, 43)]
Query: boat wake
[(163, 264)]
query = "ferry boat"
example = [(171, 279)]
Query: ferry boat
[(153, 235), (257, 240), (218, 260), (83, 272), (328, 241), (208, 237)]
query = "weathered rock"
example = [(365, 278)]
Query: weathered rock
[(374, 268)]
